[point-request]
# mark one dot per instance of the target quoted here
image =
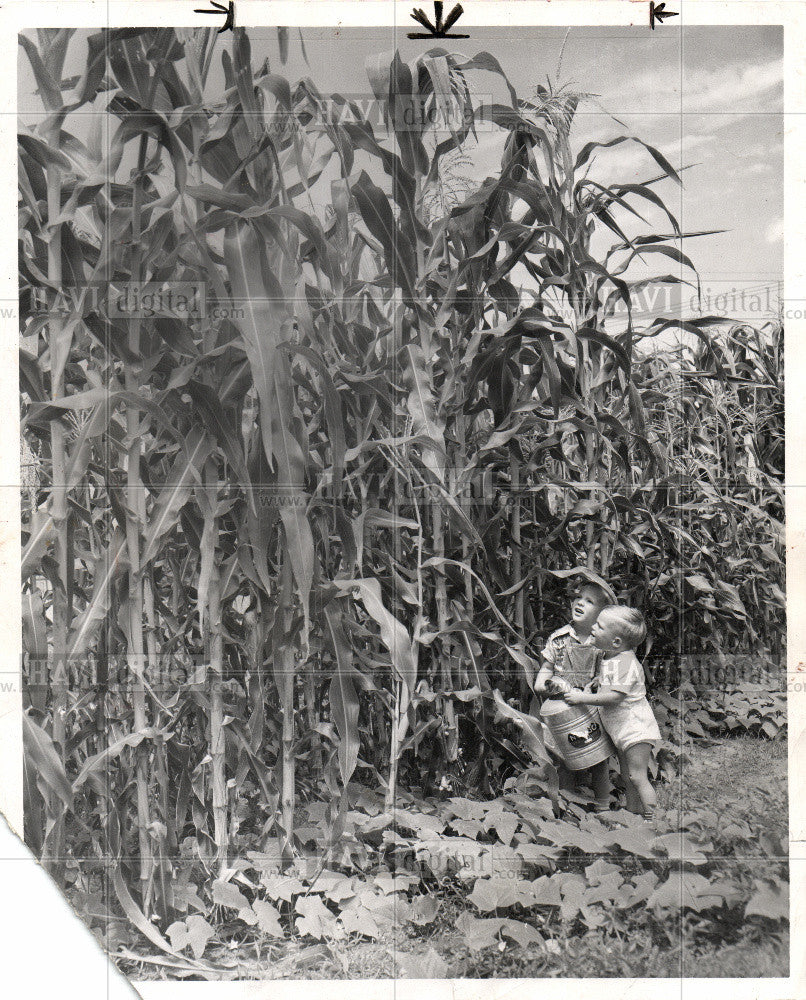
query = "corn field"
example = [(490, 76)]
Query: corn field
[(280, 547)]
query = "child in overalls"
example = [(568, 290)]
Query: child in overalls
[(571, 661)]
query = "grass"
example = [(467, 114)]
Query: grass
[(740, 779)]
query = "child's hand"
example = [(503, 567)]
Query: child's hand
[(574, 696), (557, 686)]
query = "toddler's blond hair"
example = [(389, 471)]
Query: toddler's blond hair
[(630, 622)]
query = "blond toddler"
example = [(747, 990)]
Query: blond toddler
[(621, 699)]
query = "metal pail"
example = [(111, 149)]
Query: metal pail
[(578, 733)]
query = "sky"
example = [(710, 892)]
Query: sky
[(708, 97)]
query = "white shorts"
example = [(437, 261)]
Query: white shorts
[(630, 724)]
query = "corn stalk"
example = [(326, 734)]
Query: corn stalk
[(58, 502)]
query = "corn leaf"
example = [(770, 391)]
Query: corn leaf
[(186, 469), (343, 695), (109, 565), (41, 751)]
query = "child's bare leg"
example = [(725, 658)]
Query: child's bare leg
[(637, 760), (634, 803), (600, 780), (567, 778)]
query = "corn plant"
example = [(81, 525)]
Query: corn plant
[(269, 514)]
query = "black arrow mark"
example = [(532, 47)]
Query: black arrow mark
[(437, 30), (658, 13), (229, 24)]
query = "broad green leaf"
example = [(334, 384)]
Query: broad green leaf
[(394, 883), (315, 919), (685, 890), (483, 60), (281, 886), (467, 809), (545, 891), (194, 931), (41, 536), (393, 633), (42, 752), (397, 247), (504, 822), (499, 893), (479, 932), (186, 470), (99, 762), (423, 910), (357, 919), (430, 965), (344, 704), (680, 847), (769, 900), (268, 918), (426, 422), (522, 933), (265, 309), (34, 626), (109, 564), (633, 840), (227, 894), (642, 888)]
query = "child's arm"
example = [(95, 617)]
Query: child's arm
[(546, 673), (606, 696)]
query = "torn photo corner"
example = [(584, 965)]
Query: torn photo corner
[(397, 428)]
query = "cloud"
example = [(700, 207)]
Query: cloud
[(757, 168), (775, 231), (736, 88), (709, 90)]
